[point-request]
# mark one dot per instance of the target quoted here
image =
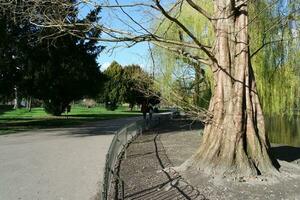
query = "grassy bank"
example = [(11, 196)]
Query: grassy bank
[(13, 121)]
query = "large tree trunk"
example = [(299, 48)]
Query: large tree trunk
[(16, 100), (234, 140), (197, 85), (29, 104)]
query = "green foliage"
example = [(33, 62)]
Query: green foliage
[(12, 54), (176, 86), (113, 88), (138, 86), (63, 73), (276, 66), (129, 84), (55, 71)]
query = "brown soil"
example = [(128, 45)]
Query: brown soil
[(147, 175)]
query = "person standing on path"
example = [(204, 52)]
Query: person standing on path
[(150, 110), (144, 109)]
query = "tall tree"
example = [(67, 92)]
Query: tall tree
[(137, 84), (114, 89), (55, 70), (16, 39), (234, 138), (63, 73), (67, 70)]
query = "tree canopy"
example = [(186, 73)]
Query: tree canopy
[(129, 84), (56, 71)]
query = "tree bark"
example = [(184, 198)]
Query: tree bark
[(29, 103), (16, 100), (198, 73), (234, 140)]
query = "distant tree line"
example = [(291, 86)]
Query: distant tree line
[(129, 84)]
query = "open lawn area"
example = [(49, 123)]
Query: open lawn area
[(13, 121)]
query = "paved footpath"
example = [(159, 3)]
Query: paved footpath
[(56, 164)]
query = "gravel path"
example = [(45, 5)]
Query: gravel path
[(172, 143), (285, 187), (146, 175), (56, 164)]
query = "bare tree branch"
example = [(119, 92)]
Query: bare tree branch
[(186, 30), (181, 52), (271, 42)]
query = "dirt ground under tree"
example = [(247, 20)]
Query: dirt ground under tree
[(147, 174)]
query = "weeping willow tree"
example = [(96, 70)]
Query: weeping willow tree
[(247, 151), (276, 65), (185, 82)]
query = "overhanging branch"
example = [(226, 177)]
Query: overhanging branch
[(181, 52), (271, 42), (186, 30)]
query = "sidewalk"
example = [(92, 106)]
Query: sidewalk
[(56, 164)]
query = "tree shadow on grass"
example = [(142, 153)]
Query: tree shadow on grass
[(5, 108), (9, 125), (40, 122), (103, 116), (286, 153), (16, 125)]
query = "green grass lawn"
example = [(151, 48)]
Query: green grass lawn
[(13, 121)]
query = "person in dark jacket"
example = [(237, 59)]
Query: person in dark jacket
[(150, 110), (144, 109)]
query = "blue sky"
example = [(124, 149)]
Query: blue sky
[(138, 54)]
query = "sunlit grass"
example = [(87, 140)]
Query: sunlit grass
[(12, 121)]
